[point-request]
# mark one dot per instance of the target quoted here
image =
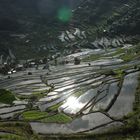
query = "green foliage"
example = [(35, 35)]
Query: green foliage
[(55, 107), (45, 117), (132, 54), (16, 129), (119, 73), (92, 57), (58, 118), (11, 137), (17, 137), (34, 115), (127, 57), (118, 51), (34, 96), (6, 96)]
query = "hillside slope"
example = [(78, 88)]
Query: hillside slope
[(36, 28)]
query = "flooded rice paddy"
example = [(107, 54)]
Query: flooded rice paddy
[(72, 98)]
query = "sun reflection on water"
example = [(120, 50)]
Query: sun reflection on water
[(72, 103)]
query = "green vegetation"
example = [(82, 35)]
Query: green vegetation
[(55, 107), (128, 54), (8, 136), (119, 73), (16, 137), (92, 57), (117, 52), (46, 117), (97, 18), (11, 137), (34, 115), (38, 95), (16, 131), (34, 95), (132, 54), (78, 93), (58, 118), (90, 137), (129, 131), (6, 96)]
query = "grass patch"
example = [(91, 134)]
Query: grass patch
[(119, 73), (58, 118), (55, 107), (128, 57), (33, 97), (11, 137), (34, 115), (6, 96), (14, 129), (92, 57), (118, 51), (132, 54)]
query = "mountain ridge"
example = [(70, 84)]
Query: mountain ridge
[(27, 29)]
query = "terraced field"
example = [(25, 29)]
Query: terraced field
[(92, 96)]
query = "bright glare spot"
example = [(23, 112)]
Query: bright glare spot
[(14, 71), (9, 72), (73, 103)]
